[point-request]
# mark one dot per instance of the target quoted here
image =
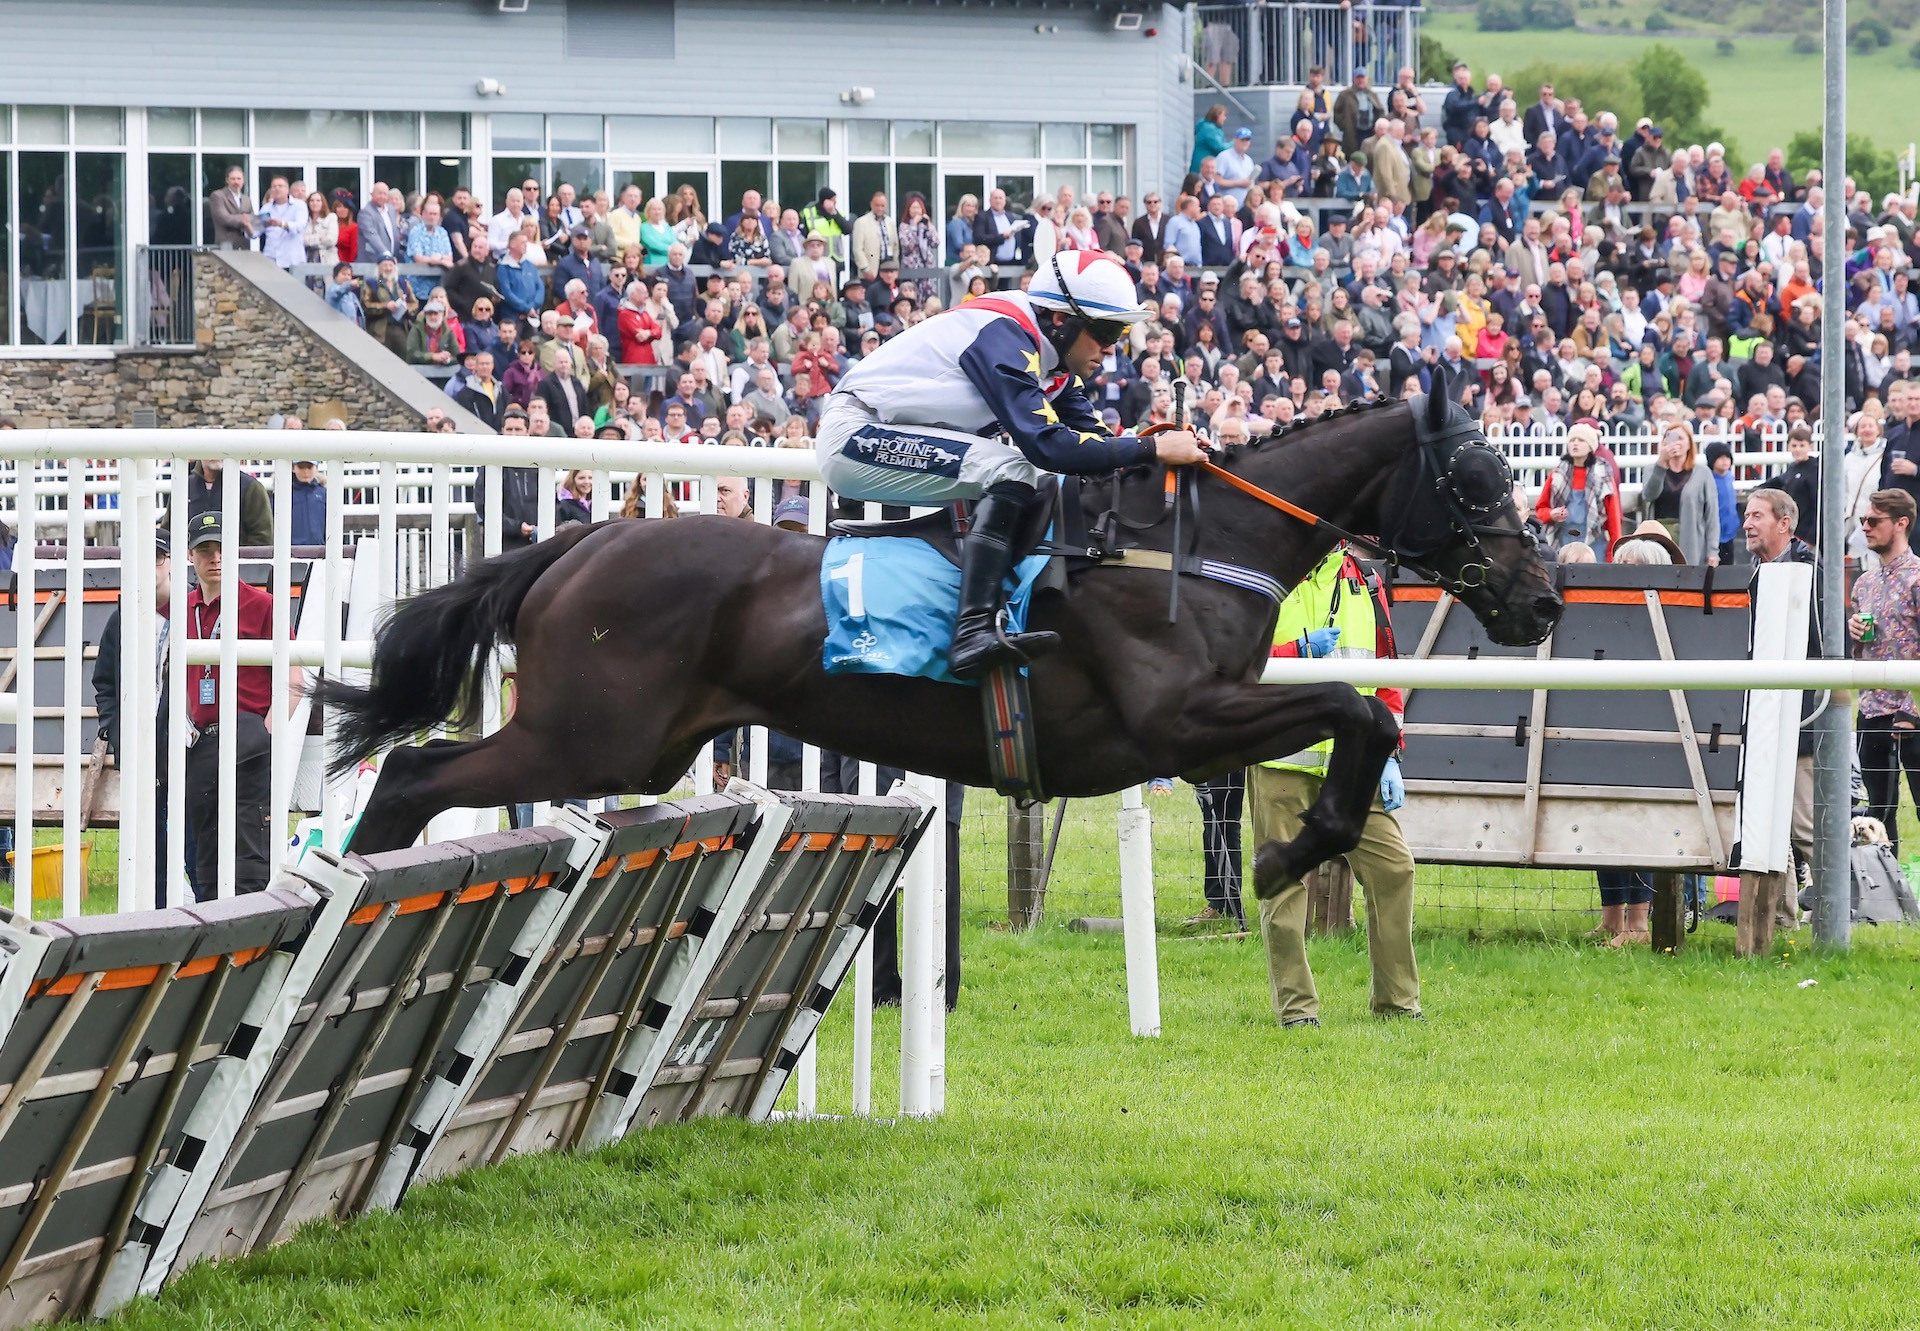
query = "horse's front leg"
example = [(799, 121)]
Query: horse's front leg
[(1240, 725)]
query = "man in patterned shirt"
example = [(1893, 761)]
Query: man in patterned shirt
[(1890, 594)]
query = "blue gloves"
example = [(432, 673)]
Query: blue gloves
[(1319, 642), (1393, 790)]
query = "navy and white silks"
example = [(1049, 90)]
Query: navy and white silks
[(916, 422)]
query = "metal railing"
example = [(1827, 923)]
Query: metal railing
[(163, 296), (1264, 45)]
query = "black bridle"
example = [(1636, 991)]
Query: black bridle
[(1442, 455)]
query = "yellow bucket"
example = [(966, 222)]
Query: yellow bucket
[(49, 865)]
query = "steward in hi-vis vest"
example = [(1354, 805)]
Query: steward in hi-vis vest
[(1337, 595), (1337, 611)]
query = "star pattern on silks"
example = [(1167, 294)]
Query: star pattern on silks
[(1046, 413), (1033, 363), (1091, 436)]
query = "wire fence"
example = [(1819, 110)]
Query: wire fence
[(1085, 877)]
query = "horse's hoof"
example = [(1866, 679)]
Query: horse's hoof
[(1271, 872)]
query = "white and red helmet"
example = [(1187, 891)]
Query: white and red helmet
[(1090, 285)]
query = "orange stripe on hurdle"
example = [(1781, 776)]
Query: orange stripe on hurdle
[(139, 977), (686, 850), (432, 900), (1605, 596)]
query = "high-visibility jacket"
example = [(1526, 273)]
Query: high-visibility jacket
[(1337, 594)]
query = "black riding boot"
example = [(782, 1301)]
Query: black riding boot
[(979, 641)]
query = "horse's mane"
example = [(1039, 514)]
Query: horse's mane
[(1295, 427)]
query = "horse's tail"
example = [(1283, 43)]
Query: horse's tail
[(428, 654)]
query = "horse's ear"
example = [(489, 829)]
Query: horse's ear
[(1437, 398)]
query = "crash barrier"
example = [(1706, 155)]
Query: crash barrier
[(194, 1083), (412, 492)]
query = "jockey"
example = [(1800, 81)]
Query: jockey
[(975, 404)]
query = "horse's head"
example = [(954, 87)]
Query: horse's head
[(1453, 519)]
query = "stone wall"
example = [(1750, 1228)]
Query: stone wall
[(264, 345)]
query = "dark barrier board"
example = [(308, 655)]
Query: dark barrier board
[(111, 1027), (1573, 778), (837, 864)]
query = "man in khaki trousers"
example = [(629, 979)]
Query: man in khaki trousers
[(1335, 612), (1384, 867)]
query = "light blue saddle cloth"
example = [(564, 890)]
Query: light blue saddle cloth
[(891, 602)]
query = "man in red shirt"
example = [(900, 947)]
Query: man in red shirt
[(253, 720)]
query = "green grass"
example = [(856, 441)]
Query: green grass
[(1576, 1138), (1762, 96)]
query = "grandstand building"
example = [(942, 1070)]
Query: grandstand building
[(118, 117)]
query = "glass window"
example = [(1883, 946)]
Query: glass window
[(866, 138), (172, 207), (213, 176), (746, 134), (983, 138), (396, 129), (508, 172), (311, 129), (800, 183), (1066, 140), (447, 174), (864, 180), (701, 182), (100, 214), (1072, 177), (1109, 142), (736, 178), (660, 134), (224, 128), (806, 138), (6, 136), (516, 132), (916, 178), (45, 294), (99, 124), (6, 237), (402, 173), (447, 130), (913, 138), (42, 124), (1109, 178), (575, 134), (169, 127), (585, 174)]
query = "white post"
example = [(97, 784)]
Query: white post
[(72, 882), (1136, 913), (227, 691), (286, 737), (25, 612), (920, 1062), (863, 997), (178, 888), (333, 819), (137, 733)]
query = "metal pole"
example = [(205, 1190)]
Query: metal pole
[(1833, 734)]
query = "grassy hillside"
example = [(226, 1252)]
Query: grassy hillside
[(1763, 94)]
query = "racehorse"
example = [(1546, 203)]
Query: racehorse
[(637, 641)]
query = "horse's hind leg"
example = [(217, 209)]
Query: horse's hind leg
[(418, 783)]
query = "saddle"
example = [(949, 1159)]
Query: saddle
[(943, 528)]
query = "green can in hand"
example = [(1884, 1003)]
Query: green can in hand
[(1867, 630)]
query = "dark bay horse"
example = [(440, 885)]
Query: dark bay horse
[(638, 641)]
